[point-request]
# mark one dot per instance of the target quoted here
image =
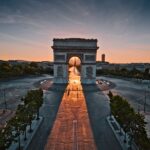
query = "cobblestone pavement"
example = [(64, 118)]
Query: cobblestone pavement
[(72, 129)]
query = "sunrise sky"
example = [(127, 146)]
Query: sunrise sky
[(122, 27)]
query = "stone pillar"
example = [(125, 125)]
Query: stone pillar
[(85, 49), (60, 73), (88, 74)]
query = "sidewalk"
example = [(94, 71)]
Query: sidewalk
[(98, 110), (120, 134), (25, 143)]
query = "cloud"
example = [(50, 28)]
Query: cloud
[(24, 41), (116, 23)]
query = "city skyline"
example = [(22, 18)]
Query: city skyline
[(27, 28)]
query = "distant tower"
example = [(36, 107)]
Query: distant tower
[(103, 57)]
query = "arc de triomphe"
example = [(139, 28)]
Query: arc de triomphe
[(85, 49)]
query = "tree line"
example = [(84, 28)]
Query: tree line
[(7, 70), (132, 122), (23, 117), (134, 73)]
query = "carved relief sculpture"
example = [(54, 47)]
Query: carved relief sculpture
[(89, 72), (59, 71)]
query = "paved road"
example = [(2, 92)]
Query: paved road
[(136, 93), (49, 110), (72, 129), (133, 91), (15, 89), (97, 105), (78, 132), (98, 108)]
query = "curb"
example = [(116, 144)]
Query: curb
[(121, 144), (120, 138), (40, 121), (25, 144)]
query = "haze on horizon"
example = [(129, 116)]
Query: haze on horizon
[(122, 27)]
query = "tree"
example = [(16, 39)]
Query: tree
[(139, 132), (16, 126), (39, 101), (147, 73), (23, 117), (133, 123), (6, 137), (5, 67), (16, 70), (33, 101), (110, 94), (34, 65)]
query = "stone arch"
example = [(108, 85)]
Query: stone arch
[(78, 64), (80, 56), (84, 49)]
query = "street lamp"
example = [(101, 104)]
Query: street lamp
[(145, 92), (124, 127), (145, 102), (131, 139), (4, 97)]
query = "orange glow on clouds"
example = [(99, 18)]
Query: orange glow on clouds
[(111, 56), (19, 51), (125, 56)]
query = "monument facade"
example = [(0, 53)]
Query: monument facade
[(84, 49)]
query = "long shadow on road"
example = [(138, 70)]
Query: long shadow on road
[(72, 129), (98, 109), (49, 110)]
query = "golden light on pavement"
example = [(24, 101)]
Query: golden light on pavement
[(74, 61), (71, 129), (74, 70)]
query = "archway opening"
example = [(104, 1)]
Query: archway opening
[(74, 70)]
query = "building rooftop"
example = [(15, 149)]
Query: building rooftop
[(74, 43), (73, 39)]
